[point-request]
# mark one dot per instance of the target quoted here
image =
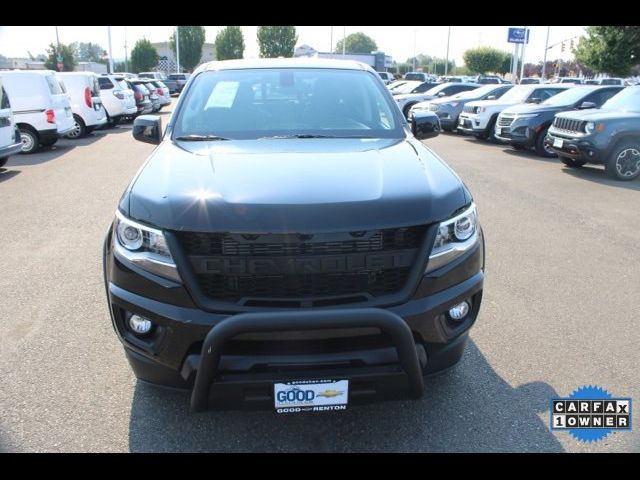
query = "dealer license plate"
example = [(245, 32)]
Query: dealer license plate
[(311, 396), (557, 142)]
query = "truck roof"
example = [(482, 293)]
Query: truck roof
[(305, 62)]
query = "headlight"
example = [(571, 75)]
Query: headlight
[(144, 247), (455, 237), (589, 127), (526, 115)]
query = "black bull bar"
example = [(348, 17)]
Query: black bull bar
[(386, 321)]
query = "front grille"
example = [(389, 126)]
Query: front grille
[(569, 125), (264, 270), (470, 109), (504, 121)]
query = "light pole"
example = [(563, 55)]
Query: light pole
[(331, 46), (177, 49), (414, 50), (524, 45), (546, 48), (59, 58), (344, 41), (126, 55), (110, 51), (446, 62)]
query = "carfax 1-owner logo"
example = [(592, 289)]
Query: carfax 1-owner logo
[(591, 413)]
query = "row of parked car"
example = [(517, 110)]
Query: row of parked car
[(38, 107), (578, 123)]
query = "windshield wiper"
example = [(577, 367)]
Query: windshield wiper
[(200, 138)]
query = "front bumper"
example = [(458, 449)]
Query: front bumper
[(470, 124), (232, 361), (9, 150), (520, 132), (577, 148)]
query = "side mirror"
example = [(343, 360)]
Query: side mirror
[(534, 100), (586, 105), (491, 97), (424, 124), (441, 94), (148, 129)]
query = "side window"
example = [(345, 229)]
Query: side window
[(601, 96), (422, 88), (54, 86), (105, 83), (544, 93), (4, 99)]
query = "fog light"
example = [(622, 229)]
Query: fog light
[(140, 325), (459, 311)]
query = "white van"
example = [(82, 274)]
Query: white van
[(84, 92), (10, 142), (40, 106)]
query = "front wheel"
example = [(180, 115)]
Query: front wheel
[(542, 149), (79, 128), (624, 162), (29, 138), (570, 162)]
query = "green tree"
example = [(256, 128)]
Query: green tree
[(609, 49), (277, 41), (229, 43), (191, 42), (357, 43), (483, 59), (144, 56), (88, 52), (505, 66), (67, 54)]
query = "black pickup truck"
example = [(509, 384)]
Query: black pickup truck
[(609, 135), (291, 243)]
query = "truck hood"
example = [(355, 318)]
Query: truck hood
[(490, 103), (297, 185), (598, 115)]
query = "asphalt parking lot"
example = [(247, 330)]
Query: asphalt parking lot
[(560, 311)]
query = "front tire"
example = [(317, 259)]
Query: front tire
[(541, 149), (30, 140), (624, 162), (79, 128), (570, 162)]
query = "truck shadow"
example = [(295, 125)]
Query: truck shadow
[(470, 408), (6, 173)]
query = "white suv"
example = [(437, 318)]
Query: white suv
[(478, 118), (118, 99)]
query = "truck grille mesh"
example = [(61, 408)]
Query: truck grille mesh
[(232, 286)]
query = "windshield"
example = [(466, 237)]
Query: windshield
[(517, 94), (406, 88), (628, 100), (258, 103), (476, 92), (415, 76), (437, 88), (568, 97)]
